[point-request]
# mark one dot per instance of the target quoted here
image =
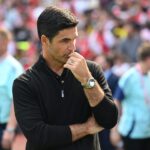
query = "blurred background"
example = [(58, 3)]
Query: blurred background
[(113, 28), (105, 26)]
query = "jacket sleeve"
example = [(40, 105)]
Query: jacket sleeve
[(42, 136), (106, 112)]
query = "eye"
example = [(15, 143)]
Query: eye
[(65, 40)]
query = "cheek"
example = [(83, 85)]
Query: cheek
[(62, 49)]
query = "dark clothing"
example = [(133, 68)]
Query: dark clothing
[(46, 104), (136, 144), (104, 136), (2, 128), (113, 82), (128, 47)]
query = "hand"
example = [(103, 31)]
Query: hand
[(92, 126), (115, 137), (78, 66), (7, 139), (79, 131)]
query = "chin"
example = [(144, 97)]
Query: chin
[(63, 61)]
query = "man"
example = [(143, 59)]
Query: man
[(62, 100), (10, 68), (133, 93), (107, 62), (128, 46)]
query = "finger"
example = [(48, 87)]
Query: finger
[(68, 66), (72, 61), (76, 55), (74, 58), (101, 129), (69, 62)]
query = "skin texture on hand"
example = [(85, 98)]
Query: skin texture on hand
[(115, 137), (8, 136), (78, 66), (88, 128), (92, 126), (7, 139)]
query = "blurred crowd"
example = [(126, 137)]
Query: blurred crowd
[(110, 31), (106, 26)]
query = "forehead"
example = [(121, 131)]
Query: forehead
[(70, 33)]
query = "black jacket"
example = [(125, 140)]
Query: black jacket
[(46, 104)]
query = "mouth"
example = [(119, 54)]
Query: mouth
[(67, 56)]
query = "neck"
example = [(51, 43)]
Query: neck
[(53, 65), (143, 67)]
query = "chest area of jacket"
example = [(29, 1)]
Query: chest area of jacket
[(62, 100)]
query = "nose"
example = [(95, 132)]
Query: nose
[(72, 46)]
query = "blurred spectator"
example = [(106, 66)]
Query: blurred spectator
[(125, 9), (145, 32), (107, 4), (106, 62), (12, 15), (101, 39), (106, 26), (120, 64), (128, 46), (119, 31), (133, 93), (83, 47), (81, 5), (10, 68)]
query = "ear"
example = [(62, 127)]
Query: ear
[(44, 40)]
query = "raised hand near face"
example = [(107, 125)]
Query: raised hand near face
[(78, 66)]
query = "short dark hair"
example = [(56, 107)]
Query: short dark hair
[(54, 19), (144, 51), (110, 60)]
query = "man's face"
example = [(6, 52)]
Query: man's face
[(62, 45), (148, 63), (3, 45), (102, 62)]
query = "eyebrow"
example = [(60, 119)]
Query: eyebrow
[(66, 38)]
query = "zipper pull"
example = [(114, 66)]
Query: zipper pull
[(62, 93)]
